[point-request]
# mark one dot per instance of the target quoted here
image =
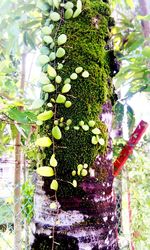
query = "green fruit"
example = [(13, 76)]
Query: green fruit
[(60, 52), (62, 39), (54, 185), (60, 99), (66, 88), (43, 59), (78, 70), (55, 17), (58, 79), (85, 74), (48, 39), (91, 123), (56, 132), (49, 88), (74, 76), (51, 71), (46, 115), (52, 56), (43, 142), (68, 104), (45, 171)]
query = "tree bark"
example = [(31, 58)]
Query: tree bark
[(86, 222), (85, 216), (17, 177), (145, 11)]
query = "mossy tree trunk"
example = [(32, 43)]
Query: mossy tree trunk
[(85, 216)]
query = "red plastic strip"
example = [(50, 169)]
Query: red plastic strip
[(128, 149)]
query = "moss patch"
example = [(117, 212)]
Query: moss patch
[(87, 36)]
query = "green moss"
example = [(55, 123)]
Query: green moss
[(87, 37)]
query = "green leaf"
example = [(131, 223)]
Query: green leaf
[(55, 16), (91, 123), (53, 161), (130, 118), (60, 99), (68, 13), (28, 40), (44, 79), (74, 183), (53, 205), (74, 76), (56, 3), (49, 88), (51, 71), (96, 131), (43, 142), (94, 140), (56, 132), (78, 70), (46, 115), (119, 113), (45, 171), (62, 39), (37, 103), (68, 104), (130, 3), (60, 52), (84, 172), (54, 185), (66, 88), (85, 127), (43, 59), (146, 51)]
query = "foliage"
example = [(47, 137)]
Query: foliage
[(72, 133), (140, 200), (27, 200), (19, 24), (133, 54)]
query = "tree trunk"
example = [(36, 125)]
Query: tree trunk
[(85, 216)]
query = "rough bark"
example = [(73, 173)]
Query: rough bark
[(85, 217), (84, 222)]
